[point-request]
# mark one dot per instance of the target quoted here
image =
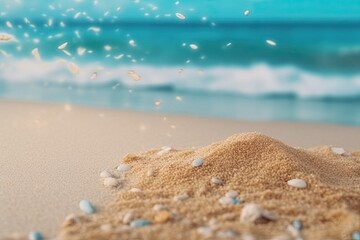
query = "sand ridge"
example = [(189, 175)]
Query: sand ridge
[(256, 166)]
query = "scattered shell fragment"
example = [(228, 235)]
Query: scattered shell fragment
[(226, 234), (93, 76), (216, 180), (197, 162), (193, 46), (107, 48), (159, 207), (73, 68), (132, 43), (162, 217), (180, 16), (250, 213), (5, 37), (157, 103), (87, 207), (139, 223), (135, 190), (338, 150), (94, 29), (269, 215), (134, 75), (9, 24), (63, 46), (111, 182), (150, 173), (80, 51), (226, 200), (205, 231), (128, 217), (181, 197), (246, 12), (232, 194), (123, 167), (271, 42), (36, 235), (164, 150), (298, 183), (36, 54), (66, 52)]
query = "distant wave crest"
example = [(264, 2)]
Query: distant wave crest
[(258, 79)]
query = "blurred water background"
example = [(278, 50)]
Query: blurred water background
[(239, 68)]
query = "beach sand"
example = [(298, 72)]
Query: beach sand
[(52, 156)]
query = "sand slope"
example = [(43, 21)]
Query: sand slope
[(256, 166)]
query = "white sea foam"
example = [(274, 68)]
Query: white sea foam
[(258, 79)]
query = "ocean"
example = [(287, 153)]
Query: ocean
[(309, 72)]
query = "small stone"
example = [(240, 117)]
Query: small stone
[(297, 223), (338, 150), (128, 217), (298, 183), (105, 174), (226, 200), (159, 207), (226, 234), (232, 194), (162, 217), (36, 235), (135, 190), (111, 182), (181, 197), (123, 167), (216, 181), (139, 223), (356, 235), (204, 231), (106, 227), (197, 162), (250, 213), (87, 207)]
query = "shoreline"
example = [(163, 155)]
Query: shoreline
[(53, 153)]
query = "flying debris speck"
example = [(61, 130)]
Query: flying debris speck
[(73, 68), (246, 12), (94, 29), (5, 37), (81, 51), (36, 54), (66, 52), (180, 16), (193, 46), (63, 46), (9, 24), (134, 75), (271, 42), (132, 43), (93, 76), (107, 48), (157, 103)]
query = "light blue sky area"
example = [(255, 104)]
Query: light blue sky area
[(192, 9)]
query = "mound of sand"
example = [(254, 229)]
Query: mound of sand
[(256, 166)]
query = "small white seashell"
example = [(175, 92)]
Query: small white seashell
[(73, 68), (123, 167), (128, 217), (250, 213), (180, 16), (226, 200), (181, 197), (135, 190), (269, 215), (216, 180), (134, 75), (205, 231), (63, 46), (105, 174), (159, 207), (232, 194), (111, 182), (246, 12), (271, 42), (36, 54), (197, 162), (298, 183), (338, 150)]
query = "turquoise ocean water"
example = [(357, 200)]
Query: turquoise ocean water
[(311, 75)]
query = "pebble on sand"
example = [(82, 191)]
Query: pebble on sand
[(111, 182), (216, 181), (123, 167), (181, 197), (87, 207), (197, 162), (105, 174), (35, 235), (139, 223), (298, 183), (226, 200), (250, 213), (232, 194)]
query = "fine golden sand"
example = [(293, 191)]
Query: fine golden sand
[(256, 166)]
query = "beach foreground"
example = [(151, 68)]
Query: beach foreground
[(52, 156)]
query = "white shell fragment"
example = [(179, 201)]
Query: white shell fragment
[(63, 46), (232, 194), (197, 162), (73, 68), (111, 182), (36, 54), (159, 207), (181, 197), (105, 174), (134, 75), (193, 46), (123, 167), (338, 150), (271, 42), (246, 12), (135, 190), (298, 183), (216, 180), (250, 213), (226, 200), (86, 207)]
